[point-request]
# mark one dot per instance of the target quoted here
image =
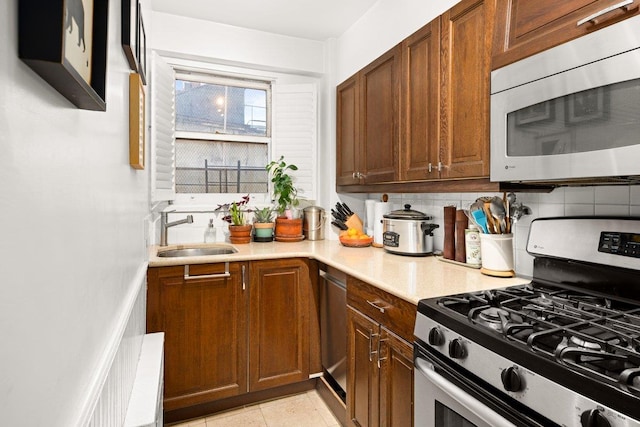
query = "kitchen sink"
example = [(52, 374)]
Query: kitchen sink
[(199, 251)]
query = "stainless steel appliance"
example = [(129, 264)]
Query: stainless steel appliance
[(571, 112), (333, 328), (562, 350), (407, 232)]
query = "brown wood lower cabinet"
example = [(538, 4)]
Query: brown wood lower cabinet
[(278, 323), (380, 362), (231, 329)]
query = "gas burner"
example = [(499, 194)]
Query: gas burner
[(542, 301), (575, 341), (493, 317)]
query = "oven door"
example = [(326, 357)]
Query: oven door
[(444, 397)]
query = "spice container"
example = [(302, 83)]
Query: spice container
[(472, 245)]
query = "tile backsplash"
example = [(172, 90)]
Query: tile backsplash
[(618, 200)]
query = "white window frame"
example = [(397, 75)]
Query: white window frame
[(213, 77), (218, 79)]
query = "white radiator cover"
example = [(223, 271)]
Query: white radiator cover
[(145, 404)]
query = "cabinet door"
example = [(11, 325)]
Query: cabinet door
[(348, 132), (380, 127), (396, 381), (419, 149), (204, 321), (279, 323), (362, 370), (465, 89), (525, 27)]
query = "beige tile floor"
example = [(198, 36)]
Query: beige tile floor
[(300, 410)]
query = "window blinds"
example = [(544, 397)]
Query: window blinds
[(162, 130), (295, 133)]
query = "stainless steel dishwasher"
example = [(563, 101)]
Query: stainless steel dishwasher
[(333, 328)]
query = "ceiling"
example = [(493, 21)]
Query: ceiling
[(309, 19)]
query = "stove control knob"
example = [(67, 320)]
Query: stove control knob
[(594, 418), (511, 379), (457, 350), (436, 337)]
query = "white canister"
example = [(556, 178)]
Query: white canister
[(472, 245), (497, 252)]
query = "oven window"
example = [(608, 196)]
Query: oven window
[(447, 417), (595, 119)]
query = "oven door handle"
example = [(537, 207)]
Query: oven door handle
[(478, 408)]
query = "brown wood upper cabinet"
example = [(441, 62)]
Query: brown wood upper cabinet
[(420, 145), (368, 126), (465, 78), (524, 28), (231, 331), (442, 111)]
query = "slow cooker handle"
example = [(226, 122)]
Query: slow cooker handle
[(427, 228)]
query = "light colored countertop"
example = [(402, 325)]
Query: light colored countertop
[(410, 278)]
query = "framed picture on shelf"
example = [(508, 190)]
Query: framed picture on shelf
[(136, 121), (65, 43), (587, 105), (133, 36)]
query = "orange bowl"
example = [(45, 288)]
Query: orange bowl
[(357, 242)]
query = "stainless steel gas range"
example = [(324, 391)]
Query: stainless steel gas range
[(563, 350)]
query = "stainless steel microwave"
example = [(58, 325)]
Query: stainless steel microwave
[(571, 112)]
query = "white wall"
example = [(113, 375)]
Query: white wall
[(73, 244), (226, 44), (386, 24)]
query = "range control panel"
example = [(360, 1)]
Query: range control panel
[(625, 244)]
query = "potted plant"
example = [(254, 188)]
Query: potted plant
[(263, 224), (288, 229), (239, 230)]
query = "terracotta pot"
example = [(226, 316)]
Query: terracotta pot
[(288, 229), (240, 233)]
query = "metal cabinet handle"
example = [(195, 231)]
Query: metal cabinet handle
[(380, 352), (440, 166), (371, 352), (375, 305), (226, 273), (593, 18), (244, 284)]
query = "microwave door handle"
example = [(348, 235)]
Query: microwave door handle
[(467, 401), (593, 18)]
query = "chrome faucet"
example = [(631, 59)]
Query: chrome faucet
[(164, 225)]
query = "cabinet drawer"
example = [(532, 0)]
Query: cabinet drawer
[(394, 313)]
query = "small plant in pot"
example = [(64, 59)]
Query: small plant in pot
[(288, 229), (239, 230), (263, 224)]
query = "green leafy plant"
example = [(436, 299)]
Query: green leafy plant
[(264, 215), (237, 214), (235, 211), (284, 192)]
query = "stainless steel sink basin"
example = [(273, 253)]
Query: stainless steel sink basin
[(202, 251)]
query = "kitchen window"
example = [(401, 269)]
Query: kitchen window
[(223, 132), (232, 123)]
